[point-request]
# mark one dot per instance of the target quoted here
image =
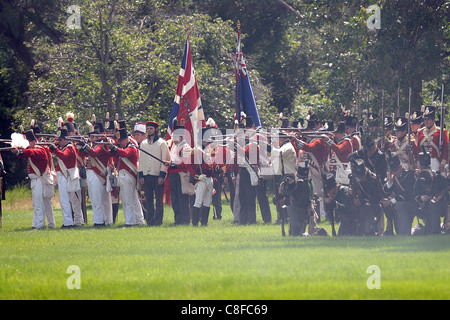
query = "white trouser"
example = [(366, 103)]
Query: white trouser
[(100, 199), (132, 208), (37, 194), (107, 208), (48, 209), (37, 191), (75, 201), (65, 200), (203, 193)]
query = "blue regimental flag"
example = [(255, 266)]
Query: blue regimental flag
[(244, 93)]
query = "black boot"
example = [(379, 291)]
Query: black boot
[(195, 216), (205, 215)]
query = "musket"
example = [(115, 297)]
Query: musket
[(222, 136), (355, 195), (285, 129), (329, 212), (441, 131), (149, 154), (103, 135), (309, 133), (304, 133), (46, 135), (315, 136), (226, 196), (357, 106), (383, 137), (7, 149), (6, 140), (76, 138), (410, 154), (43, 143)]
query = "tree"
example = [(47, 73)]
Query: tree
[(125, 60)]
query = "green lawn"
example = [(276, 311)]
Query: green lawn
[(221, 261)]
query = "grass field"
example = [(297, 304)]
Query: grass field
[(219, 262)]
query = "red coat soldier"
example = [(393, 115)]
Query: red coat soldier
[(429, 137)]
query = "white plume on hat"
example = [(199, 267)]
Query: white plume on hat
[(70, 116), (90, 125), (280, 119), (211, 123), (60, 122)]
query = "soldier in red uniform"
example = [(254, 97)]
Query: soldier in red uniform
[(350, 130), (400, 145), (201, 170), (429, 137), (96, 177), (341, 148), (317, 155), (38, 166), (127, 163), (68, 178), (50, 180), (179, 153), (78, 199)]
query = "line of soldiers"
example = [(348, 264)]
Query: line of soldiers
[(352, 179), (400, 177)]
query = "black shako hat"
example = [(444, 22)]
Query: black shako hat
[(122, 134), (416, 117), (401, 123), (429, 112), (29, 135)]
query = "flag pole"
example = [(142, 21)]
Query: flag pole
[(238, 74)]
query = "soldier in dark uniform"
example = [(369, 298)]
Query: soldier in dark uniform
[(297, 195), (339, 203), (369, 187), (431, 193), (374, 159), (399, 205)]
